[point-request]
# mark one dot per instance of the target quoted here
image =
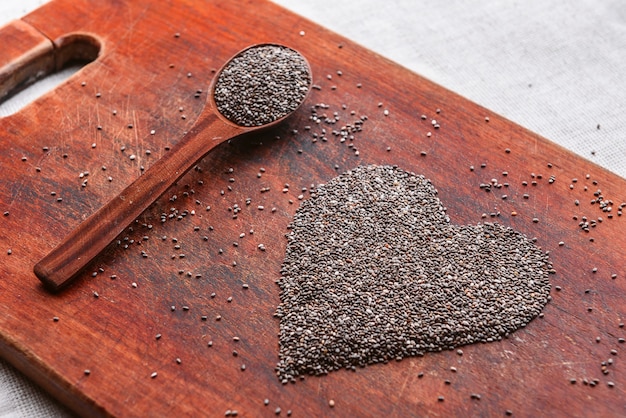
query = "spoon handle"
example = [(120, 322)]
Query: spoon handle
[(86, 241)]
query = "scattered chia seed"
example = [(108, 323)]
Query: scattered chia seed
[(374, 271), (261, 85)]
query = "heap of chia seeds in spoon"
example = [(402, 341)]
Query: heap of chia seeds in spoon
[(262, 84)]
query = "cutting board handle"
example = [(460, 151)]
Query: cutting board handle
[(27, 55)]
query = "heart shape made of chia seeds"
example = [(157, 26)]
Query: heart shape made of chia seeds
[(374, 271)]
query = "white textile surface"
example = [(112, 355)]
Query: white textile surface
[(555, 67)]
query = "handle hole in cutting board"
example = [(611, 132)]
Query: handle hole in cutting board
[(31, 79)]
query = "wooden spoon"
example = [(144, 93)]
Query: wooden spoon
[(85, 242)]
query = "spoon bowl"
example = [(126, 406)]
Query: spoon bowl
[(67, 260)]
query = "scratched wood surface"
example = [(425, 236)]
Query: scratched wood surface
[(74, 149)]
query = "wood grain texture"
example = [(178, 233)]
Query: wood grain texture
[(142, 73)]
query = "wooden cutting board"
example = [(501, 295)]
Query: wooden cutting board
[(94, 346)]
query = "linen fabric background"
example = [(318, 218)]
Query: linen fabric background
[(554, 67)]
